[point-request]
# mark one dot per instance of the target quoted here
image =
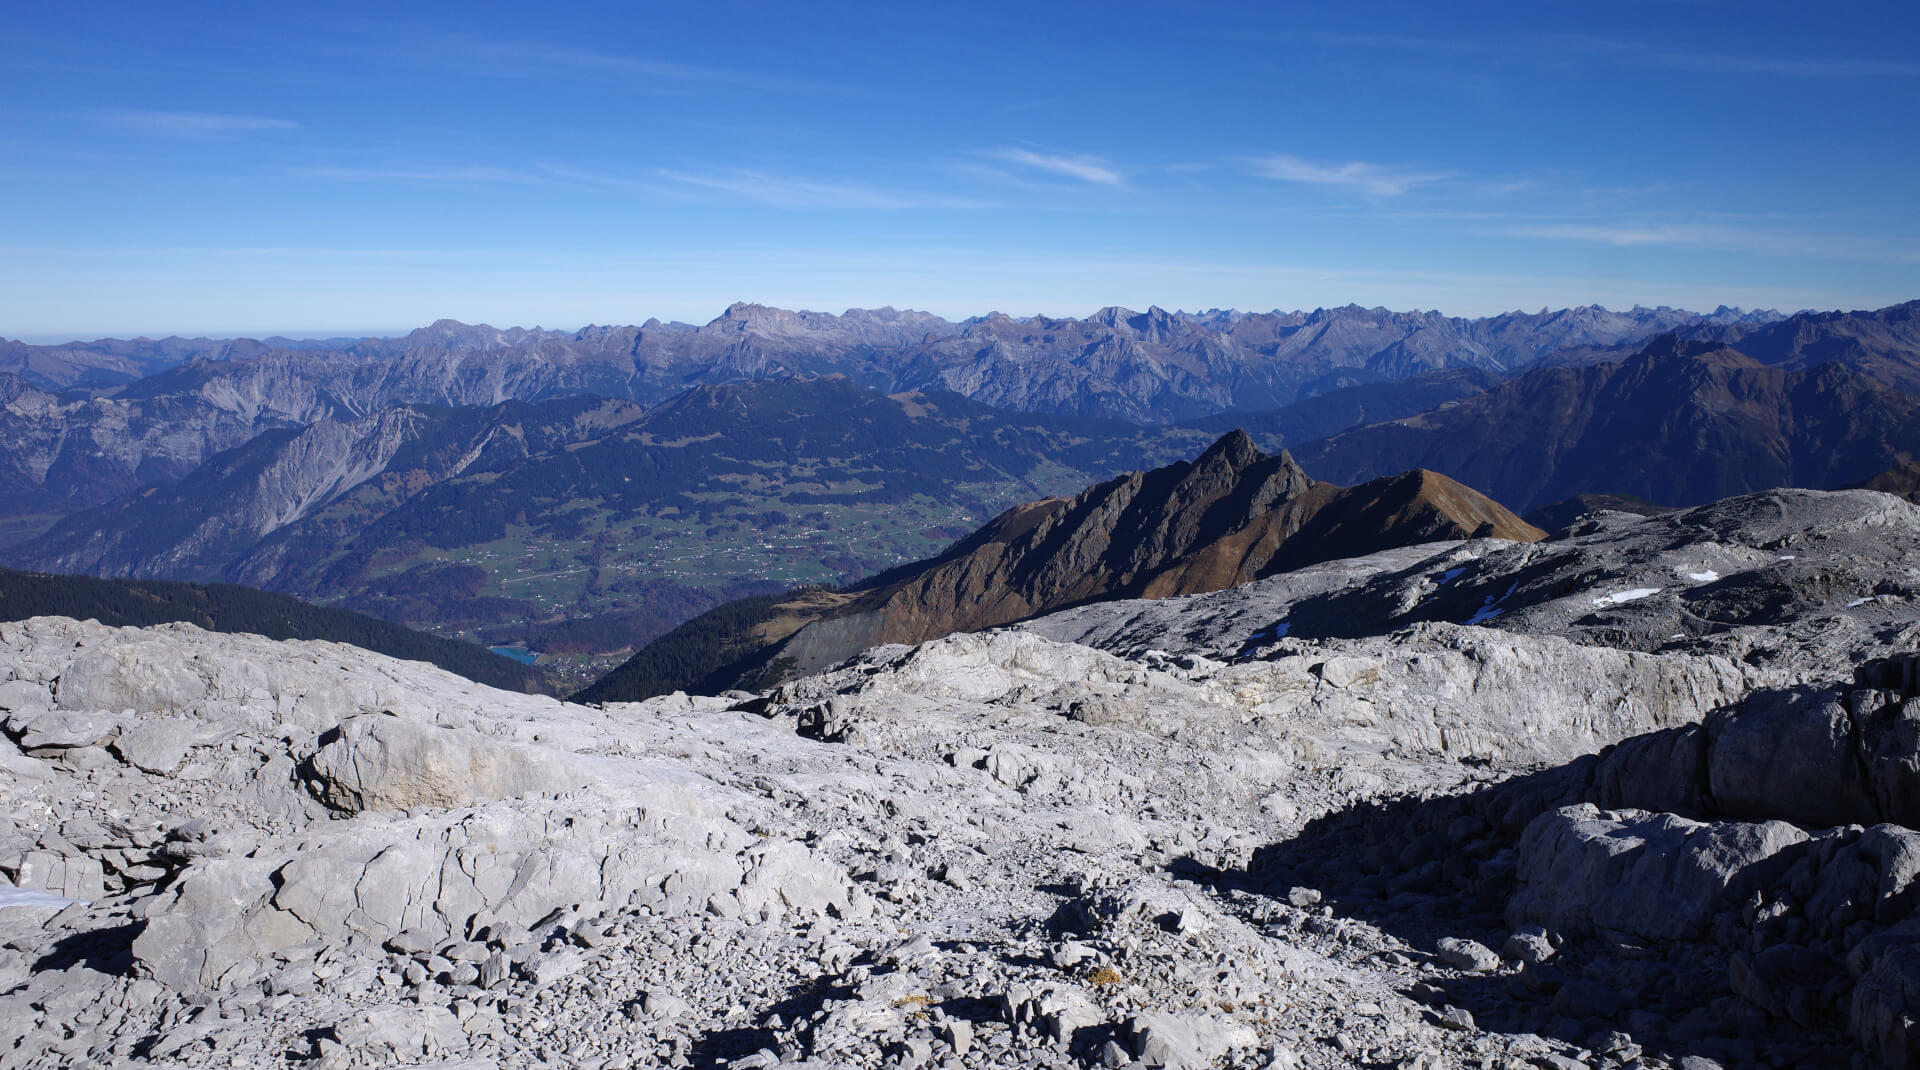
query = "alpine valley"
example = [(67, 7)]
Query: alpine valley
[(581, 493)]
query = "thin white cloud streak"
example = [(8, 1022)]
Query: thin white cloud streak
[(187, 123), (618, 183), (1627, 235), (433, 176), (534, 60), (1712, 236), (783, 192), (1374, 179), (1549, 48), (1085, 168), (777, 191), (1634, 54)]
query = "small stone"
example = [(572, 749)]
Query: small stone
[(1303, 898), (1469, 955), (959, 1034), (1529, 944), (545, 969), (1070, 954), (665, 1005)]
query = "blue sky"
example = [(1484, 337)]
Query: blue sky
[(249, 168)]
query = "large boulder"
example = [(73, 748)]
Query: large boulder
[(382, 762), (160, 744), (1655, 876), (1789, 755), (136, 672)]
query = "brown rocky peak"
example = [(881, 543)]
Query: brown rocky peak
[(1413, 507)]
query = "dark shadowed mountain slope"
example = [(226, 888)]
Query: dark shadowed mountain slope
[(1901, 481), (1884, 343), (223, 607), (1682, 422), (1226, 518), (1351, 406)]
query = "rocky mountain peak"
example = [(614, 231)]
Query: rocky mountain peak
[(1225, 518), (1234, 450)]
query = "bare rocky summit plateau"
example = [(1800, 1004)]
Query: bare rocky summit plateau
[(1642, 793)]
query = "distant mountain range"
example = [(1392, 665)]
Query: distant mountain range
[(1149, 367), (591, 489), (475, 517), (1231, 516), (84, 422)]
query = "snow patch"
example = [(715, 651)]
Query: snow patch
[(1619, 597), (27, 897), (1489, 609), (1703, 577), (1450, 575), (1786, 557), (1264, 636), (1863, 601)]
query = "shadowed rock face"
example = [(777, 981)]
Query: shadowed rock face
[(1231, 516), (1681, 423), (1901, 481)]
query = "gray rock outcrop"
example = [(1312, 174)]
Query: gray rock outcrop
[(385, 762)]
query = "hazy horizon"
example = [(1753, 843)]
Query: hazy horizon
[(318, 334)]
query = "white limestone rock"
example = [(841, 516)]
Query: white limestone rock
[(385, 762)]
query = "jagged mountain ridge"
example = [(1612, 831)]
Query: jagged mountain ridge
[(1228, 517), (1884, 343), (1378, 342), (196, 397), (1682, 422)]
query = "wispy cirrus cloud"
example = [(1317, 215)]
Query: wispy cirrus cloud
[(1717, 236), (1377, 180), (431, 176), (781, 191), (1632, 53), (1085, 168), (1559, 48), (1622, 235), (533, 60), (186, 123)]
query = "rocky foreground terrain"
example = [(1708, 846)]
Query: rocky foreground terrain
[(1643, 793)]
